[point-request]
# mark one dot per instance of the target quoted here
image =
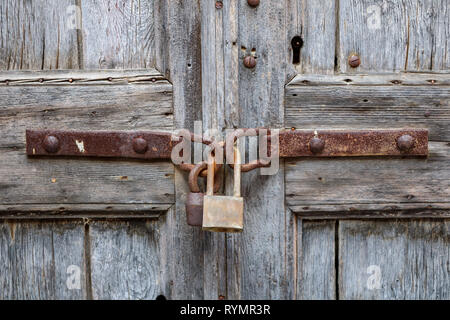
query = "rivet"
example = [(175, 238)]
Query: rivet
[(51, 144), (405, 142), (219, 4), (354, 61), (253, 3), (140, 145), (249, 62), (316, 145)]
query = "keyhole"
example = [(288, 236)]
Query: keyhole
[(297, 43)]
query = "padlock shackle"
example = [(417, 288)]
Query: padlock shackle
[(237, 172), (210, 175)]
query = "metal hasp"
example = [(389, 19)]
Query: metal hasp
[(292, 143), (343, 143), (120, 144)]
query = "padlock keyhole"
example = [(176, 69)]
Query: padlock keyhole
[(297, 44)]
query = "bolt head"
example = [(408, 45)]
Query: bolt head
[(253, 3), (354, 61), (405, 142), (219, 4), (249, 62), (51, 144), (140, 145), (316, 145)]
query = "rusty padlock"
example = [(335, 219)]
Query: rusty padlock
[(223, 213), (194, 200)]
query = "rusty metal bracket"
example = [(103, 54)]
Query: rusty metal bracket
[(120, 144), (344, 143), (292, 143)]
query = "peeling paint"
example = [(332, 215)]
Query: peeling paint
[(80, 145)]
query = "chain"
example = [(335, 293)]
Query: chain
[(222, 144)]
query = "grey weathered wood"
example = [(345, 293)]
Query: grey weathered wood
[(375, 184), (378, 106), (84, 77), (260, 260), (80, 210), (393, 36), (315, 23), (85, 106), (126, 259), (184, 244), (424, 79), (317, 248), (37, 35), (413, 258), (36, 259), (118, 34)]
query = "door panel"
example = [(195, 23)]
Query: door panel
[(394, 35), (42, 260), (280, 254), (130, 102)]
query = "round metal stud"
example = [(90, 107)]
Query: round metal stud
[(253, 3), (249, 62), (51, 144), (354, 61), (140, 145), (405, 142), (316, 145)]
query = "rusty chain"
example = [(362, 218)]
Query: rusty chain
[(202, 171)]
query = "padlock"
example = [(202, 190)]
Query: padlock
[(194, 200), (223, 213)]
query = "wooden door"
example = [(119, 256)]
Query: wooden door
[(318, 229)]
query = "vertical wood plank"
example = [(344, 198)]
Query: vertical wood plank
[(118, 34), (38, 35), (260, 261), (394, 260), (317, 270), (315, 23), (126, 259), (393, 36), (184, 243), (42, 260)]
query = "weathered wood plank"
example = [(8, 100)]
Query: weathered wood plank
[(260, 261), (184, 244), (42, 261), (317, 248), (126, 259), (84, 77), (393, 36), (38, 35), (375, 184), (359, 107), (119, 34), (394, 260), (70, 181), (315, 23)]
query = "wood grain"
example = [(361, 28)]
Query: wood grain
[(315, 22), (260, 261), (317, 248), (38, 35), (42, 261), (124, 106), (126, 260), (118, 35), (410, 259), (393, 36)]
